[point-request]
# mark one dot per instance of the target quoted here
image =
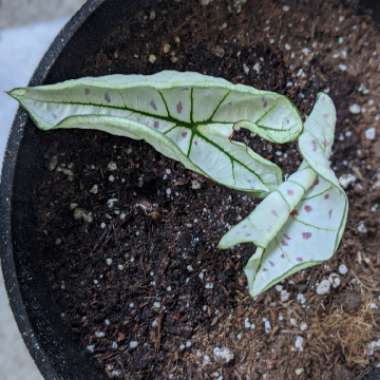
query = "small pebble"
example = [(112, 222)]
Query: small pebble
[(81, 214), (284, 295), (195, 185), (373, 346), (91, 348), (334, 280), (53, 163), (112, 166), (342, 67), (152, 58), (94, 189), (370, 133), (323, 287), (342, 269), (299, 343), (301, 298), (223, 354), (363, 89), (109, 261), (166, 48), (303, 326), (133, 344), (257, 68), (346, 180), (355, 108), (267, 326), (100, 334), (362, 228), (299, 371), (249, 325)]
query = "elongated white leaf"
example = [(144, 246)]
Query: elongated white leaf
[(300, 224), (188, 117)]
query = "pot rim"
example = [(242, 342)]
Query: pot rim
[(31, 340), (39, 355)]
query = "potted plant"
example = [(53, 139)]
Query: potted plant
[(111, 249)]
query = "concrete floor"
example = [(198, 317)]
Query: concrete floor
[(26, 29), (20, 12)]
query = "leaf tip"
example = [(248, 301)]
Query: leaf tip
[(16, 93)]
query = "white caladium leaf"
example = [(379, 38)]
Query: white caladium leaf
[(301, 223), (188, 117)]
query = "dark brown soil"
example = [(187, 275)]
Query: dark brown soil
[(140, 281)]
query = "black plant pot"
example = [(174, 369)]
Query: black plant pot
[(38, 320)]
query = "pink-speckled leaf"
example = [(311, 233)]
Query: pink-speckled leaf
[(310, 211), (188, 117)]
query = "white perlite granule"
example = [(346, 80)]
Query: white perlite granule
[(342, 269), (334, 280), (323, 287), (299, 343), (223, 354), (355, 108), (370, 133), (346, 180)]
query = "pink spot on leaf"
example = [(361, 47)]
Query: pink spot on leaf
[(282, 256), (327, 196), (316, 183), (271, 263), (290, 192), (300, 259), (274, 213), (184, 134), (294, 213), (308, 208), (284, 242), (314, 145), (306, 235), (287, 237), (179, 107), (156, 124), (330, 213), (153, 105)]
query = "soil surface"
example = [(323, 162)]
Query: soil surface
[(128, 238)]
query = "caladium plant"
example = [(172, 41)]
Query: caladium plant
[(191, 118), (301, 223), (188, 117)]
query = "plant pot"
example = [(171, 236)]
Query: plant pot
[(51, 342)]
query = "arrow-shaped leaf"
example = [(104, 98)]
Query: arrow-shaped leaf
[(301, 223), (188, 117)]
